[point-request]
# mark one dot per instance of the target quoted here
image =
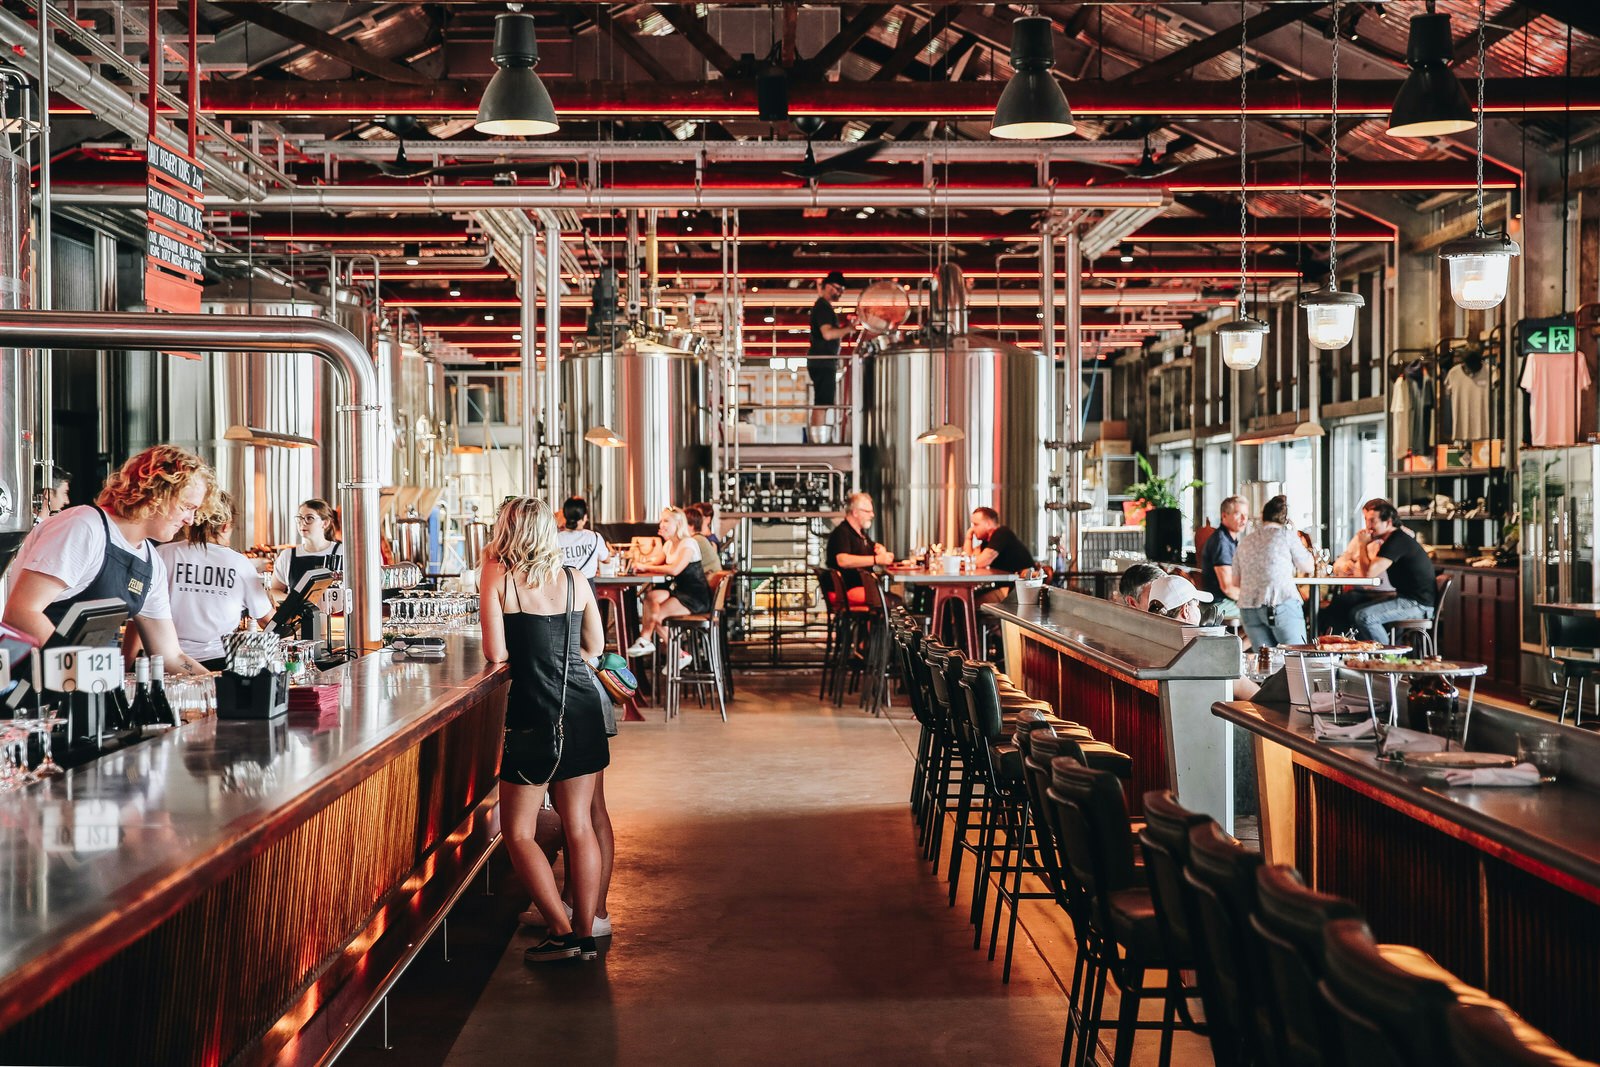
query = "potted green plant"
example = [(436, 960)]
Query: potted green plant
[(1162, 511)]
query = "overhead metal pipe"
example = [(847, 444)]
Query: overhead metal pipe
[(552, 365), (857, 100), (528, 198), (530, 362), (1072, 398), (44, 264), (358, 498), (34, 52)]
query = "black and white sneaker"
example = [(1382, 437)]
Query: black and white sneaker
[(555, 947), (587, 949)]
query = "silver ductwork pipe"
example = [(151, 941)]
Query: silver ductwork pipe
[(74, 79), (358, 498), (1072, 398), (444, 198), (552, 366), (530, 363)]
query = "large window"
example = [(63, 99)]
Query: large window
[(1289, 464), (1359, 473)]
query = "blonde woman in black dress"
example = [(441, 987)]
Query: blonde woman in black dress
[(539, 618)]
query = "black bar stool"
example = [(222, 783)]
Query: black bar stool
[(1388, 1016), (1289, 920), (1222, 875), (1484, 1036)]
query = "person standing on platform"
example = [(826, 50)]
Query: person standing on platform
[(581, 548), (540, 619), (319, 547), (211, 585), (1266, 563), (1400, 559), (1217, 573), (107, 551), (53, 497), (850, 549), (822, 360)]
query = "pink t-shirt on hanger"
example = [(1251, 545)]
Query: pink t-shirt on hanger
[(1556, 384)]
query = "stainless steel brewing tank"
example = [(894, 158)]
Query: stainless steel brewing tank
[(1000, 396), (653, 398), (18, 369)]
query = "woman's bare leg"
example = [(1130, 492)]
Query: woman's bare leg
[(601, 819), (574, 798), (519, 822)]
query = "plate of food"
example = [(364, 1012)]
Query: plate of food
[(1334, 645), (1467, 760)]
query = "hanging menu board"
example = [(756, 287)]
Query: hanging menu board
[(175, 240)]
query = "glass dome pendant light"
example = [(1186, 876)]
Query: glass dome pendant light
[(1481, 264), (1331, 314), (1242, 339)]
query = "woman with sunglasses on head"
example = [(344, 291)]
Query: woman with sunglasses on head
[(539, 618), (319, 547), (107, 551)]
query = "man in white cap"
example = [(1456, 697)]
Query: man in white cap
[(1176, 597)]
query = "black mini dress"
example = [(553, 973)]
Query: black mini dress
[(536, 645), (691, 589)]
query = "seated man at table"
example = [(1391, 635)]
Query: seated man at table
[(1133, 588), (1400, 559), (995, 547), (850, 549)]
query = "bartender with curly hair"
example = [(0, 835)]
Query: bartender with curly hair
[(107, 550)]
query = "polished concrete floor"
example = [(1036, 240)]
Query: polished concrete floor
[(770, 906)]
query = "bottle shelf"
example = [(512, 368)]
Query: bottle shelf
[(1458, 472)]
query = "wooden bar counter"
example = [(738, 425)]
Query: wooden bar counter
[(241, 891), (1500, 885), (1139, 683)]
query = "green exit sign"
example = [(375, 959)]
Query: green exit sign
[(1555, 336)]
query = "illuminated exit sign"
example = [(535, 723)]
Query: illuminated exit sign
[(1555, 336)]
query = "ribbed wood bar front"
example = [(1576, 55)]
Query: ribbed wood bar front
[(239, 891), (1500, 885)]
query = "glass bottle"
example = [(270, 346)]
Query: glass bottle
[(158, 692), (141, 710)]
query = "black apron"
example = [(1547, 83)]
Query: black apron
[(123, 576), (300, 566)]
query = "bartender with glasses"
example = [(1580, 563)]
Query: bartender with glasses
[(319, 547), (107, 551)]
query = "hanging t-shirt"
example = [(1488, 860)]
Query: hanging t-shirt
[(1556, 384), (1400, 410), (211, 585), (1469, 402)]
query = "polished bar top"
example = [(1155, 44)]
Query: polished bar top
[(91, 859), (1136, 643), (921, 576), (1551, 829)]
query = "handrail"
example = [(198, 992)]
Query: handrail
[(136, 331)]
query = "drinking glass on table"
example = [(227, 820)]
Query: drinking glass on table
[(1542, 748)]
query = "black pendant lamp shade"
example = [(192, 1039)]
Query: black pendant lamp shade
[(1032, 105), (515, 103), (1431, 102)]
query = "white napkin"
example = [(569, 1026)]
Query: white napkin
[(1324, 730), (1345, 704), (1399, 739), (1521, 774)]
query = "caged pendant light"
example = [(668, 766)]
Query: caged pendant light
[(1480, 265), (1431, 102), (1243, 338), (1331, 314), (1032, 106), (515, 103)]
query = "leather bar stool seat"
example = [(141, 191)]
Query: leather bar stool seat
[(1388, 1016), (1482, 1035), (1221, 874), (1289, 920)]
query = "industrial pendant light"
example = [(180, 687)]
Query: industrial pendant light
[(1244, 337), (515, 104), (1480, 264), (1431, 102), (943, 434), (1330, 314), (1032, 105), (604, 437)]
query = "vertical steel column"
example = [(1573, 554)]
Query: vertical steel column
[(1314, 416), (552, 365), (1072, 398), (1047, 344), (45, 428), (530, 364)]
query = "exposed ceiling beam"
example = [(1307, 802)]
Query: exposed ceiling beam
[(912, 43), (269, 18), (840, 44), (693, 29), (1581, 15), (729, 99), (1197, 52), (629, 42), (1498, 28)]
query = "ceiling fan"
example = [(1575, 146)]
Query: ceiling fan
[(836, 169), (402, 167), (1151, 167)]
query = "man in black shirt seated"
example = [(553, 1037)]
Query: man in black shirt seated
[(995, 547), (850, 549), (1399, 558)]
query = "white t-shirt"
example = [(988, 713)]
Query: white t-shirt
[(70, 546), (280, 566), (582, 550), (210, 585)]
